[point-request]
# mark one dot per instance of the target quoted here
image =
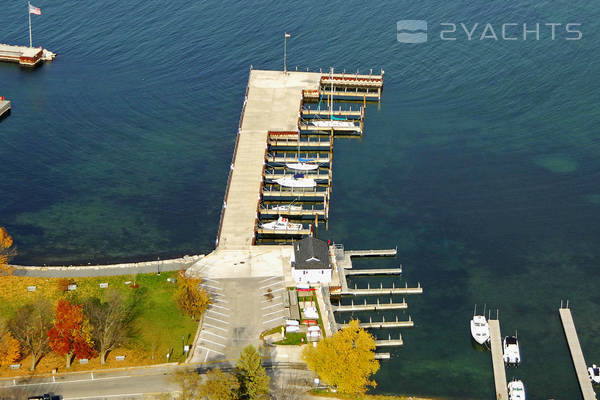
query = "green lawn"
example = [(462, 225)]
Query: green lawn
[(159, 327)]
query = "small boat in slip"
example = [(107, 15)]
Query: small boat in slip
[(282, 224), (512, 353), (594, 372), (516, 390), (298, 181), (302, 166), (286, 208), (333, 124), (480, 330)]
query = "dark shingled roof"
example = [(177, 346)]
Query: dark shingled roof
[(311, 253)]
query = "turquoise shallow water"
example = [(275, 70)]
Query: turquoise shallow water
[(481, 163)]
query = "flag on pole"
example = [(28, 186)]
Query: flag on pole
[(287, 35), (34, 10)]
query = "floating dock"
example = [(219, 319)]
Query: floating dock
[(4, 107), (497, 360), (374, 271), (270, 135), (371, 306), (583, 377), (385, 324), (389, 342), (26, 56)]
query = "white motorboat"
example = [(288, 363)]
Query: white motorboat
[(47, 55), (480, 329), (302, 166), (516, 390), (286, 208), (282, 224), (594, 372), (512, 354), (298, 181), (333, 124)]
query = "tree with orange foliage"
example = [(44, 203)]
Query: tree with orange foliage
[(10, 349), (70, 336), (7, 251)]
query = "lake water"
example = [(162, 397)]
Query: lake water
[(481, 164)]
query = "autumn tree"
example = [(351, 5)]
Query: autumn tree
[(110, 321), (70, 335), (7, 251), (252, 377), (191, 298), (30, 325), (218, 385), (189, 384), (345, 360), (10, 349)]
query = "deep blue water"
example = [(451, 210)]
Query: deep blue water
[(481, 163)]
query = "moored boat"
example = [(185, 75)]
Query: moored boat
[(594, 372), (302, 166), (282, 224), (480, 330), (516, 390), (512, 353), (298, 181)]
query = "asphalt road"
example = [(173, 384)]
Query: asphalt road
[(123, 384)]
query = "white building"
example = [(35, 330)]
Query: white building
[(310, 261)]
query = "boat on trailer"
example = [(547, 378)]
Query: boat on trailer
[(480, 330), (512, 353), (282, 224)]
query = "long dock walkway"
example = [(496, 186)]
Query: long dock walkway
[(374, 271), (273, 99), (576, 354), (497, 360)]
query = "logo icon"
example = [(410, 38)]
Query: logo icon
[(411, 31)]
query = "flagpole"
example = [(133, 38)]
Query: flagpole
[(284, 52), (29, 13)]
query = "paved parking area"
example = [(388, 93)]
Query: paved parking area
[(242, 309)]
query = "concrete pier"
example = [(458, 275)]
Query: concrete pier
[(374, 271), (4, 107), (372, 253), (390, 342), (371, 307), (383, 291), (583, 377), (497, 360)]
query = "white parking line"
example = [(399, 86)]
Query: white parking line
[(216, 312), (207, 349), (224, 308), (271, 284), (209, 279), (214, 334), (274, 312), (214, 319), (269, 278), (219, 301), (216, 327), (212, 287), (277, 290), (274, 319), (273, 305), (210, 341)]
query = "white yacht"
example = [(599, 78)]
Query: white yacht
[(286, 208), (298, 181), (282, 224), (516, 390), (594, 372), (512, 354), (333, 124), (302, 166), (480, 329)]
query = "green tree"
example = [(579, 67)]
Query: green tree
[(219, 385), (111, 321), (253, 379), (345, 360)]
